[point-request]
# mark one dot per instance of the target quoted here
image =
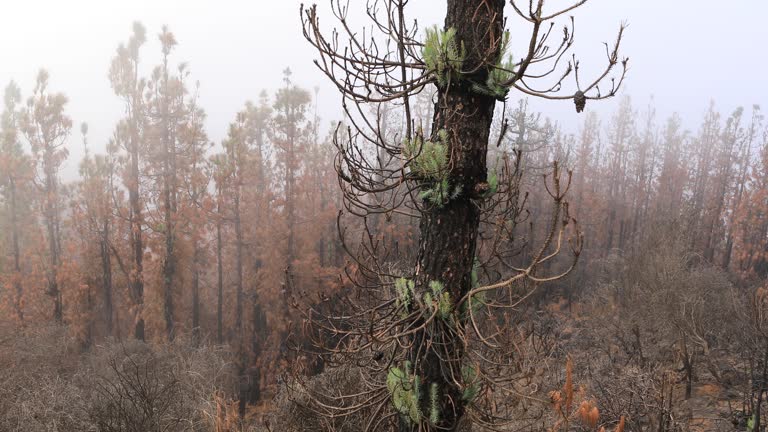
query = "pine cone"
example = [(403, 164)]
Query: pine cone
[(580, 100)]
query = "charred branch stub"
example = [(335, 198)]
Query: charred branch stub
[(428, 336)]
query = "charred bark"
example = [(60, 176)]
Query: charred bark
[(449, 233)]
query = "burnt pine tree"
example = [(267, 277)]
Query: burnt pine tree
[(124, 77), (289, 131), (234, 163), (220, 171), (429, 336), (164, 98), (16, 172), (46, 127), (95, 198), (257, 121), (167, 132), (195, 144)]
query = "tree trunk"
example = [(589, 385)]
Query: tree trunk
[(196, 263), (89, 321), (736, 206), (257, 347), (220, 277), (137, 284), (238, 269), (761, 390), (16, 251), (449, 232), (258, 317), (290, 207), (106, 268), (169, 263), (51, 214), (687, 368)]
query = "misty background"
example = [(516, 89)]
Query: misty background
[(683, 53), (394, 288)]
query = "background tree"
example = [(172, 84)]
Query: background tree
[(195, 204), (219, 173), (92, 211), (46, 127), (289, 135), (14, 184), (124, 77), (236, 154), (164, 101)]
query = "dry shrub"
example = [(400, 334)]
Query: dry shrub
[(47, 384), (36, 388), (138, 387), (226, 417), (659, 314), (628, 391), (292, 412), (587, 415)]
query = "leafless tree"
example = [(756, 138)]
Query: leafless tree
[(434, 341)]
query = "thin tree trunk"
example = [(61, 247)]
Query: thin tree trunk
[(50, 211), (687, 368), (761, 390), (137, 283), (238, 269), (745, 165), (16, 251), (169, 264), (257, 347), (240, 336), (220, 277), (290, 176), (89, 321), (244, 386), (196, 263), (106, 268), (169, 270), (259, 319)]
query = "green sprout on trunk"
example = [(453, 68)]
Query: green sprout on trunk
[(443, 55), (471, 383), (434, 404), (405, 294), (439, 299), (429, 163), (499, 74), (405, 390)]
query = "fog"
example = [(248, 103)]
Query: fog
[(602, 273), (682, 53)]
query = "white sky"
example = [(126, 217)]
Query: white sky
[(683, 52)]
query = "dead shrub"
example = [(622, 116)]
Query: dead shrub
[(48, 384)]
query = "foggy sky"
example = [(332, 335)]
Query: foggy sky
[(682, 52)]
